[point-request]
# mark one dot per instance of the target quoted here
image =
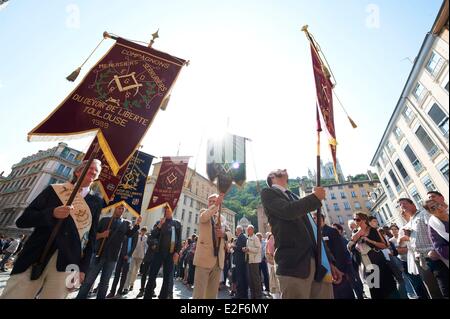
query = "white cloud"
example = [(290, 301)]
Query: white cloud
[(3, 5)]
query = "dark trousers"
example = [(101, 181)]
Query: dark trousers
[(166, 260), (191, 274), (265, 274), (416, 282), (396, 271), (429, 278), (344, 289), (355, 282), (145, 267), (180, 269), (226, 269), (242, 281), (122, 267), (254, 276), (106, 267), (440, 272)]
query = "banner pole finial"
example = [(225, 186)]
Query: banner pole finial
[(154, 37)]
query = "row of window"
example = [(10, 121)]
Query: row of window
[(433, 68), (63, 170), (188, 232), (7, 219), (348, 185), (21, 172), (347, 206), (18, 184), (67, 154), (353, 194), (386, 211), (426, 180), (200, 191), (183, 216), (12, 198)]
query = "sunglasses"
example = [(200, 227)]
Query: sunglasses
[(357, 219)]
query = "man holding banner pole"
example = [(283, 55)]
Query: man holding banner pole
[(299, 274), (168, 233), (208, 264), (73, 244)]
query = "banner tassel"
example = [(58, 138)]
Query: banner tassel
[(73, 76), (165, 102), (352, 122)]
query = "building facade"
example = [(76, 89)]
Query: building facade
[(263, 222), (194, 197), (383, 209), (344, 199), (30, 177), (412, 157)]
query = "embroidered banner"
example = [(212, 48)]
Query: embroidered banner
[(130, 191), (169, 183), (324, 89), (226, 161), (118, 100)]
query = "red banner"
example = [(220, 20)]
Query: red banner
[(324, 89), (118, 100), (169, 183)]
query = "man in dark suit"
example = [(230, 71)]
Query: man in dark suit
[(341, 256), (111, 233), (240, 264), (295, 243), (168, 233), (73, 245), (123, 265)]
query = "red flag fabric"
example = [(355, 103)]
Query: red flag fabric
[(324, 89), (169, 183), (118, 100)]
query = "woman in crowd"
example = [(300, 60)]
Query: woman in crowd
[(370, 243)]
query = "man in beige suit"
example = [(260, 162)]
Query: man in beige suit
[(208, 261)]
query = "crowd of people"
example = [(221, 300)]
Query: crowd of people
[(407, 262)]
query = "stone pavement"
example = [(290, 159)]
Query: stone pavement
[(180, 291)]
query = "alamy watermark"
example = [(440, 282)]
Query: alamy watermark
[(373, 18), (73, 18), (73, 278)]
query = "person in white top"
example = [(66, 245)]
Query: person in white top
[(429, 266), (137, 257), (253, 251)]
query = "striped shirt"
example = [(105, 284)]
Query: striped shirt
[(420, 241)]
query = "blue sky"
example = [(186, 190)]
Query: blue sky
[(249, 63)]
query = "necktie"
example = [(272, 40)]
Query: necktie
[(325, 261), (172, 239), (130, 241)]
